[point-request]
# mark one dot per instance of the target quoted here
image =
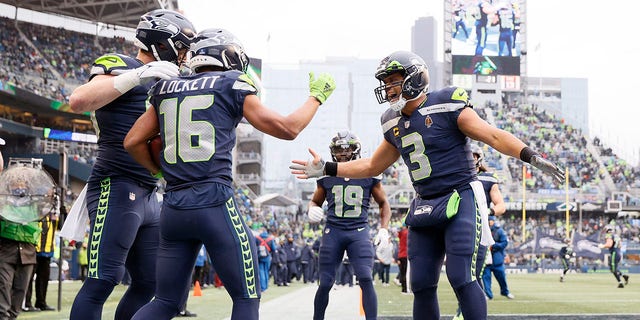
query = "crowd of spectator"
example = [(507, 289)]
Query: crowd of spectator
[(555, 140), (28, 61)]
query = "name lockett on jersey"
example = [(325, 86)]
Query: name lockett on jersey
[(182, 85)]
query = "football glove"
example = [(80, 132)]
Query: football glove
[(305, 170), (381, 237), (151, 71), (321, 87), (315, 214), (547, 167), (566, 256)]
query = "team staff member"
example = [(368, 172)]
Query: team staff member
[(197, 117), (121, 195), (497, 261), (44, 251), (431, 132), (17, 244)]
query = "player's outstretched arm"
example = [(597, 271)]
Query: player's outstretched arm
[(506, 143), (288, 127), (382, 158)]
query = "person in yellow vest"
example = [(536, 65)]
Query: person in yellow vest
[(44, 251), (83, 260), (17, 249)]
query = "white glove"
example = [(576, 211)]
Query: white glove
[(316, 214), (308, 170), (566, 256), (151, 71), (381, 237)]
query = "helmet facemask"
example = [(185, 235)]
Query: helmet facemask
[(415, 78)]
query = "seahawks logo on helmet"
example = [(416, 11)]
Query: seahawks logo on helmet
[(345, 146), (415, 82)]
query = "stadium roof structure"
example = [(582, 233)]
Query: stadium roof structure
[(124, 13)]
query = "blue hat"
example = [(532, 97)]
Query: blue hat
[(492, 218)]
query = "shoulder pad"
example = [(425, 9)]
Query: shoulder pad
[(114, 64), (389, 119), (243, 81), (454, 94)]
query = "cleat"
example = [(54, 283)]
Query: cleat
[(626, 279), (620, 285)]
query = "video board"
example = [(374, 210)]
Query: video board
[(485, 36)]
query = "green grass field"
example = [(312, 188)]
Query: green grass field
[(593, 293)]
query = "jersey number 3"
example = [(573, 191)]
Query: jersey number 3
[(417, 156)]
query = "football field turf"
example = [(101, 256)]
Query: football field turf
[(535, 294)]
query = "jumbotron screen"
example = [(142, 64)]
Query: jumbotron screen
[(485, 36)]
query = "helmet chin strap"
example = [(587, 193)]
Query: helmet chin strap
[(398, 104)]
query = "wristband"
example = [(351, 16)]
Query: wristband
[(158, 175), (492, 212), (526, 154), (331, 169)]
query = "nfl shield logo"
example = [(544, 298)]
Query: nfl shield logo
[(132, 196), (407, 124)]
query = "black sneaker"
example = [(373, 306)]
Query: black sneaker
[(30, 309), (626, 279), (46, 308), (620, 285), (186, 314)]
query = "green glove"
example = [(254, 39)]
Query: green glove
[(158, 175), (322, 87)]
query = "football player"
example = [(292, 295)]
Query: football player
[(347, 226), (121, 195), (196, 116), (613, 242), (566, 253), (431, 132)]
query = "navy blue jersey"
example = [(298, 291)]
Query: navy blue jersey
[(488, 179), (436, 152), (198, 117), (347, 201), (113, 121)]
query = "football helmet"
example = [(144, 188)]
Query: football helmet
[(476, 150), (164, 33), (345, 146), (220, 48), (414, 71)]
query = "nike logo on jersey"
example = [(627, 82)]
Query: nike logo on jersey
[(360, 229)]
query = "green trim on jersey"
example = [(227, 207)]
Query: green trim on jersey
[(460, 94), (474, 257), (245, 246), (247, 79), (110, 61), (96, 235)]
